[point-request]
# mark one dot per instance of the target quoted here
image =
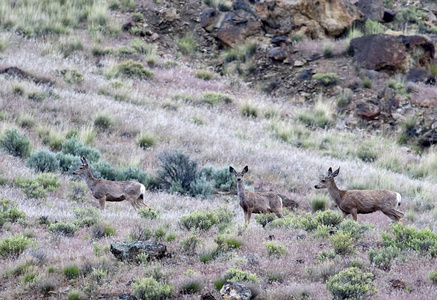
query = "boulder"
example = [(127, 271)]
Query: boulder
[(372, 9), (278, 53), (429, 138), (420, 75), (235, 291), (389, 15), (367, 110), (128, 251), (392, 53)]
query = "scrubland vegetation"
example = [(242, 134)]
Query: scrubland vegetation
[(177, 128)]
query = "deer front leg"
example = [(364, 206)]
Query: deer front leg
[(102, 202), (354, 214), (249, 214)]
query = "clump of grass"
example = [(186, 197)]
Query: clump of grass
[(15, 144), (191, 286), (145, 213), (4, 44), (103, 121), (342, 243), (204, 74), (320, 117), (150, 289), (216, 98), (327, 79), (328, 50), (40, 186), (383, 258), (274, 249), (71, 76), (189, 244), (187, 44), (264, 219), (70, 45), (130, 69), (37, 96), (374, 27), (319, 202), (234, 274), (65, 228), (86, 217), (249, 111), (432, 275), (14, 245), (146, 140), (71, 272), (26, 121), (205, 220), (137, 17), (18, 89), (367, 83)]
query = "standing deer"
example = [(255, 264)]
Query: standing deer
[(112, 191), (362, 201), (256, 202)]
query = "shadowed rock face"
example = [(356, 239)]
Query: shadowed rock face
[(372, 9), (392, 53), (128, 251)]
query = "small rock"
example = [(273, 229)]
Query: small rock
[(299, 63), (235, 291)]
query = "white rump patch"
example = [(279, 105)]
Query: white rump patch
[(398, 198), (143, 190)]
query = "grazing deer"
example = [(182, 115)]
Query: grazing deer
[(362, 201), (112, 191), (256, 202)]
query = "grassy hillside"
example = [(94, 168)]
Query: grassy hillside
[(90, 84)]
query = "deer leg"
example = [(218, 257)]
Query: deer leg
[(354, 214), (279, 214), (249, 214), (142, 203), (102, 202), (134, 204)]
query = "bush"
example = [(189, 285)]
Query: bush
[(274, 249), (328, 218), (220, 178), (146, 141), (76, 295), (200, 187), (374, 27), (38, 187), (216, 98), (354, 229), (71, 272), (200, 220), (233, 243), (100, 230), (319, 202), (133, 69), (189, 244), (209, 256), (66, 228), (74, 147), (9, 212), (145, 213), (14, 246), (187, 44), (408, 237), (37, 96), (137, 17), (106, 170), (327, 79), (204, 74), (249, 111), (15, 144), (192, 286), (130, 173), (234, 274), (150, 289), (177, 172), (43, 161), (432, 275), (103, 122), (71, 76), (342, 243), (264, 219), (86, 216), (351, 284), (383, 258)]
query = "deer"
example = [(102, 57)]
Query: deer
[(355, 202), (255, 202), (112, 191)]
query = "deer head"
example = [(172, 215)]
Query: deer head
[(83, 169), (328, 180), (239, 176)]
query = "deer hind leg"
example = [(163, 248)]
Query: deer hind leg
[(102, 202), (393, 214), (354, 214)]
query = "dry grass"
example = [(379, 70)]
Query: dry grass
[(223, 138)]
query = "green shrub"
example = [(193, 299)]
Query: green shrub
[(71, 76), (264, 219), (209, 256), (187, 44), (43, 161), (86, 217), (150, 289), (145, 213), (344, 98), (78, 191), (274, 249), (200, 220), (327, 79), (189, 244), (103, 122), (46, 286), (342, 243), (133, 69), (71, 272), (14, 245), (374, 27), (354, 229), (322, 231), (200, 187), (37, 96), (219, 283), (29, 278), (177, 172), (351, 283), (74, 147), (216, 98), (328, 50), (432, 275), (383, 258), (249, 111), (367, 83), (15, 144), (423, 241), (76, 295), (137, 17), (275, 277), (146, 141), (106, 170), (26, 121), (328, 218), (233, 243), (220, 178), (9, 212), (37, 188), (319, 202), (70, 45), (66, 228), (101, 229), (204, 74), (326, 255), (171, 237), (190, 287), (130, 173), (234, 274)]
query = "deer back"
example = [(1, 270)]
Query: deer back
[(263, 202), (116, 190), (366, 201)]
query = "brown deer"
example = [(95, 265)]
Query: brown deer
[(362, 201), (112, 191), (256, 202)]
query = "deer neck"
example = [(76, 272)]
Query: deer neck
[(241, 191), (90, 180), (335, 192)]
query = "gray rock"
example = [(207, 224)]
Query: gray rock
[(128, 251), (235, 291)]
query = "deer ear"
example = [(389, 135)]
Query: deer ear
[(231, 170), (245, 170), (336, 172), (84, 161), (329, 172)]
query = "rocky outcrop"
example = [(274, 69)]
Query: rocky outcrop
[(392, 53), (372, 9), (315, 19), (420, 75), (128, 251), (235, 291)]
